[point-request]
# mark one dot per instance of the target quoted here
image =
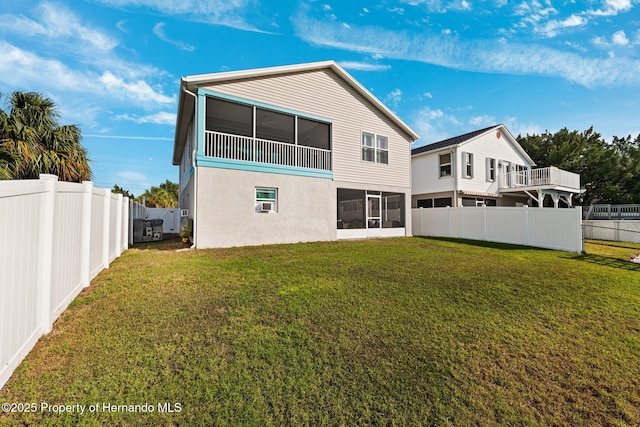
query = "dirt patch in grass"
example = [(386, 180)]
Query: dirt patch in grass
[(170, 242)]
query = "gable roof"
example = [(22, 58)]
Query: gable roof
[(461, 139), (191, 83)]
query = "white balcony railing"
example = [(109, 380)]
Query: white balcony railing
[(541, 177), (237, 147)]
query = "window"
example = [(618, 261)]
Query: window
[(478, 201), (392, 210), (229, 117), (266, 200), (442, 202), (382, 149), (274, 126), (445, 164), (386, 210), (351, 208), (467, 165), (491, 169), (368, 149), (425, 203), (314, 134), (375, 148)]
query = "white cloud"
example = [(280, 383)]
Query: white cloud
[(158, 30), (471, 55), (160, 118), (58, 23), (482, 121), (326, 7), (612, 8), (229, 13), (434, 125), (63, 79), (620, 38), (363, 66), (394, 97), (552, 28), (138, 91)]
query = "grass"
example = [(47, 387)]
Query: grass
[(407, 331)]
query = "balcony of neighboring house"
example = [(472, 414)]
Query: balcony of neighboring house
[(258, 138), (558, 184)]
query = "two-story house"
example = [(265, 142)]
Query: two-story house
[(486, 167), (290, 154)]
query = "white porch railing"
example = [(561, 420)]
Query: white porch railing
[(541, 177), (613, 212), (245, 148)]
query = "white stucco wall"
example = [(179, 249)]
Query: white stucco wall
[(227, 217)]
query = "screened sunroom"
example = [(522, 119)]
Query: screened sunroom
[(242, 131)]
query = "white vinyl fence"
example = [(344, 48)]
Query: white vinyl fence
[(170, 218), (55, 238), (614, 230), (559, 229)]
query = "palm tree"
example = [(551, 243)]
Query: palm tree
[(32, 142), (163, 196)]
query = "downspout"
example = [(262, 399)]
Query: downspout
[(193, 165), (454, 167)]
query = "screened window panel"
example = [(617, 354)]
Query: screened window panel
[(314, 134), (274, 126), (229, 117), (351, 208), (393, 215)]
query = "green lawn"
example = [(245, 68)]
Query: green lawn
[(408, 331)]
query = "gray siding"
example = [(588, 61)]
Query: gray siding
[(323, 93)]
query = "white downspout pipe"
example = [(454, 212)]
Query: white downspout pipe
[(454, 170), (195, 169)]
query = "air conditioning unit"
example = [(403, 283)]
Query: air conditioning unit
[(266, 206), (184, 213)]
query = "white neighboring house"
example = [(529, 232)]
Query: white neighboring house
[(486, 167), (288, 154)]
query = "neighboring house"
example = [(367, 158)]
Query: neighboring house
[(487, 167), (289, 154)]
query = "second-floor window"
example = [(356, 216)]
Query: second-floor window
[(375, 148), (445, 164), (467, 165), (491, 169)]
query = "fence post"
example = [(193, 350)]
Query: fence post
[(125, 224), (106, 194), (46, 251), (580, 231), (86, 232), (484, 222), (526, 225), (118, 236)]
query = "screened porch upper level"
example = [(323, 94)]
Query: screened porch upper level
[(263, 135)]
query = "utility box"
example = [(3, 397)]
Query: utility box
[(147, 230)]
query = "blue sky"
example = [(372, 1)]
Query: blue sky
[(445, 67)]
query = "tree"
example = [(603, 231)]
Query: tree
[(163, 196), (32, 142), (609, 172), (119, 190)]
